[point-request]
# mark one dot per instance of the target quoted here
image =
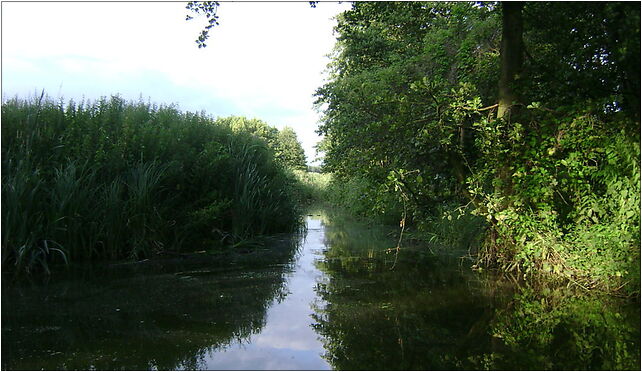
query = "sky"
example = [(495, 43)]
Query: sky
[(264, 60)]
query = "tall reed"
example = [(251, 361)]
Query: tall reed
[(113, 179)]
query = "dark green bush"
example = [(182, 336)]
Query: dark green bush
[(574, 203)]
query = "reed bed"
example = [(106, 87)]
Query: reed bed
[(114, 179)]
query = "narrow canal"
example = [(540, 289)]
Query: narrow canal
[(332, 297)]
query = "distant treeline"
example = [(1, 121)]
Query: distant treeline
[(113, 180)]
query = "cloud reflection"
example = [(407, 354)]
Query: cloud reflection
[(287, 341)]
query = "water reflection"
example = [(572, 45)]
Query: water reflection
[(432, 313), (562, 329), (287, 342), (329, 298), (162, 315)]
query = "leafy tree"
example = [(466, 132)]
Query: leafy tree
[(256, 127), (512, 55), (289, 149), (284, 143), (410, 109), (403, 76)]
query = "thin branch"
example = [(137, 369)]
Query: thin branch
[(488, 108)]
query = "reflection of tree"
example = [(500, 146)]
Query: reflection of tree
[(416, 316), (429, 314), (562, 329), (147, 318)]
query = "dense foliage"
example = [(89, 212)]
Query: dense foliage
[(411, 120), (289, 150), (284, 143), (114, 179)]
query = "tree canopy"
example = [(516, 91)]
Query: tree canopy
[(527, 111), (284, 143), (289, 149)]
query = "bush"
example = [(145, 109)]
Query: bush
[(571, 207)]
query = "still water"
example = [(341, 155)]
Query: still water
[(332, 297)]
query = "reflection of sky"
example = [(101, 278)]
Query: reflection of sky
[(287, 341)]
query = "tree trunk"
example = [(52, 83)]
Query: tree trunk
[(511, 62), (511, 56)]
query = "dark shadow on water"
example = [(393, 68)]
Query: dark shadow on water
[(166, 314)]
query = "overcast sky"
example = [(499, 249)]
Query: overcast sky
[(264, 60)]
